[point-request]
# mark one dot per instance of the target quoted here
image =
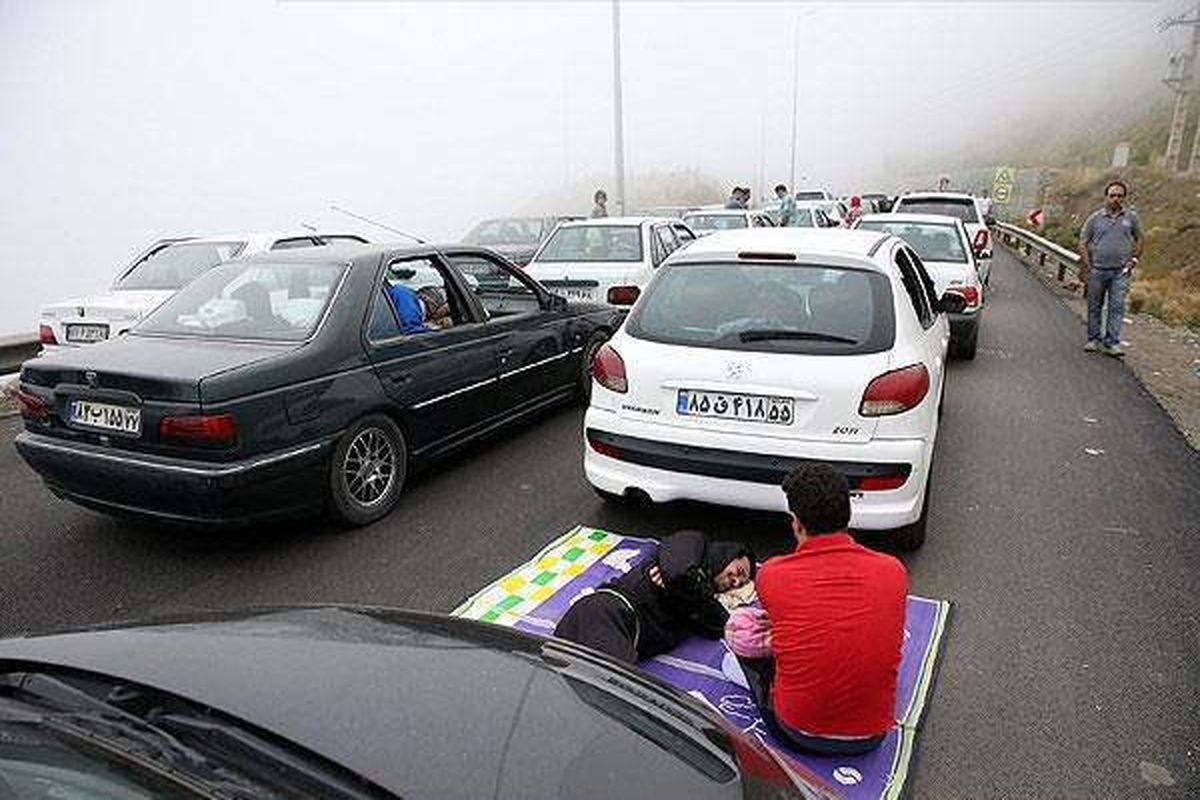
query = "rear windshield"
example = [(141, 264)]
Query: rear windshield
[(525, 230), (241, 300), (594, 243), (792, 308), (810, 195), (964, 209), (715, 222), (178, 264), (932, 242), (803, 218)]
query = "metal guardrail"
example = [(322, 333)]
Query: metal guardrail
[(1045, 252), (16, 349)]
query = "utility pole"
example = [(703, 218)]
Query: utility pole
[(618, 122), (792, 187), (1181, 77)]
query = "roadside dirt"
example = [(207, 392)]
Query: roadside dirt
[(1165, 359)]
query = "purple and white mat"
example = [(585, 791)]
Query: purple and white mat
[(535, 595)]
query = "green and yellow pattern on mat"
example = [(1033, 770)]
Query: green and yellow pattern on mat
[(511, 597)]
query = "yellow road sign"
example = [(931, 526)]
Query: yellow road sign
[(1002, 184)]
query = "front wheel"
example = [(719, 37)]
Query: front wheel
[(367, 470)]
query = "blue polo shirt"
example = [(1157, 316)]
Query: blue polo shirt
[(1109, 237)]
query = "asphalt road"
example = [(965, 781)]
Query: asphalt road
[(1072, 667)]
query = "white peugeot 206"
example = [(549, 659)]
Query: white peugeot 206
[(753, 351)]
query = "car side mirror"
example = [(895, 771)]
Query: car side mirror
[(952, 303)]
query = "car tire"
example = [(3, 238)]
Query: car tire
[(910, 538), (584, 389), (966, 347), (371, 452)]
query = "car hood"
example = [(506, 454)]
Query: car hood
[(117, 304), (425, 706)]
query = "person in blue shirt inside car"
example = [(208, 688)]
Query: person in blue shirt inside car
[(410, 311)]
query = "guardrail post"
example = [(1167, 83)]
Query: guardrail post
[(1062, 270)]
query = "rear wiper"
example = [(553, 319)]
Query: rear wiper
[(765, 334)]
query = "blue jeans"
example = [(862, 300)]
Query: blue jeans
[(1113, 284)]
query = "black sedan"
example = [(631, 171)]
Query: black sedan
[(294, 381), (347, 702)]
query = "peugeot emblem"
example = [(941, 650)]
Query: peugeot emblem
[(90, 379), (736, 369)]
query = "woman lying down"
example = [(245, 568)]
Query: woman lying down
[(663, 600)]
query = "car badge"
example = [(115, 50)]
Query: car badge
[(737, 369), (90, 379)]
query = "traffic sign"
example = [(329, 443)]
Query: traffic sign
[(1036, 217), (1002, 184)]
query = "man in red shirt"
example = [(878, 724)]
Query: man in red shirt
[(836, 611)]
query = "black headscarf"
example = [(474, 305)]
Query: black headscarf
[(718, 555)]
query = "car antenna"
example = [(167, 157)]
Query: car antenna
[(340, 210)]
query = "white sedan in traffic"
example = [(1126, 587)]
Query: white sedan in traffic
[(752, 351), (157, 273), (606, 259)]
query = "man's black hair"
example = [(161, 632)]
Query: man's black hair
[(780, 186), (1116, 182), (819, 497)]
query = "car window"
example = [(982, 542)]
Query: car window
[(963, 208), (178, 264), (278, 301), (683, 234), (914, 287), (715, 222), (810, 195), (658, 250), (926, 281), (791, 308), (667, 236), (594, 243), (295, 243), (802, 218), (515, 230), (502, 291), (338, 238), (417, 294), (931, 241)]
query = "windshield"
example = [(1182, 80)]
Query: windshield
[(594, 243), (932, 241), (178, 264), (242, 300), (506, 231), (803, 218), (715, 222), (964, 208), (789, 308), (810, 195)]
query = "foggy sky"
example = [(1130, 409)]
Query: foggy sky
[(126, 121)]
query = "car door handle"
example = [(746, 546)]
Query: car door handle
[(400, 377), (505, 352)]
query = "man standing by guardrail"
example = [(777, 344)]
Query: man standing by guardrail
[(1109, 246)]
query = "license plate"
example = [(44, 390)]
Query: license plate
[(121, 419), (87, 333), (578, 294), (727, 405)]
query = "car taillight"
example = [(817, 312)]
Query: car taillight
[(46, 335), (609, 370), (602, 447), (32, 406), (969, 293), (623, 295), (880, 483), (213, 429), (895, 392)]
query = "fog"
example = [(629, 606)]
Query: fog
[(126, 121)]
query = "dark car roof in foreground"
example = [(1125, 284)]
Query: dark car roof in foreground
[(423, 705), (340, 253)]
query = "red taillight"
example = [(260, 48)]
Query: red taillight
[(609, 370), (969, 293), (32, 406), (46, 335), (603, 448), (895, 392), (623, 295), (881, 483), (214, 429), (981, 240)]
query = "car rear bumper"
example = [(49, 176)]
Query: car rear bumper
[(745, 476), (167, 489)]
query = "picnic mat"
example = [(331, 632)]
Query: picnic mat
[(535, 595)]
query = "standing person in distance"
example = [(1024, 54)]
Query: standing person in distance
[(787, 206), (599, 204), (1110, 244), (735, 199), (836, 615)]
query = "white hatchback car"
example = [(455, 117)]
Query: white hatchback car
[(607, 259), (753, 351), (944, 247), (157, 273), (966, 207)]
